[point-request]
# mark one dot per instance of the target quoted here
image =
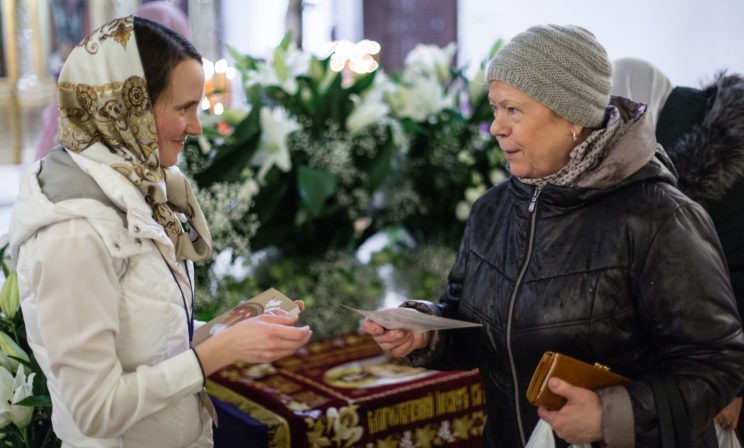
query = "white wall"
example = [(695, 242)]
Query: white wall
[(256, 26), (689, 40)]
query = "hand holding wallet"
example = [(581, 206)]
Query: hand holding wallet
[(571, 370)]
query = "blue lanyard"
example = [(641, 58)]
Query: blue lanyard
[(189, 317)]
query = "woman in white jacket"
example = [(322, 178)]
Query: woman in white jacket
[(105, 231)]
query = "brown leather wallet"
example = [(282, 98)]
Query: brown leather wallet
[(571, 370)]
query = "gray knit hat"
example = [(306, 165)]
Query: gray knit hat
[(564, 68)]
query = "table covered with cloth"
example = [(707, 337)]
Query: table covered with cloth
[(344, 392)]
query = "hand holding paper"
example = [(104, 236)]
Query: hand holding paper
[(266, 301), (410, 319)]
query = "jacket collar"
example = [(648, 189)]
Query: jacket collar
[(710, 157)]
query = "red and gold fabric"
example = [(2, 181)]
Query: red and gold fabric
[(344, 392)]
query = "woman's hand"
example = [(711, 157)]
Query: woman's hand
[(397, 343), (264, 338), (580, 419), (728, 418)]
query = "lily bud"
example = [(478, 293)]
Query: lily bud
[(9, 296)]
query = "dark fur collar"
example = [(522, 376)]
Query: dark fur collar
[(710, 158)]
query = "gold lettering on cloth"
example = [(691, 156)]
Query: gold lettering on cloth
[(401, 414), (476, 394), (452, 401), (282, 384)]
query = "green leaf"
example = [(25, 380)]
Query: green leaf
[(496, 46), (280, 65), (249, 127), (232, 159), (337, 103), (286, 40), (243, 62), (39, 401), (314, 187), (6, 271), (362, 83), (382, 165)]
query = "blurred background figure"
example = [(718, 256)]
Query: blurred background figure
[(641, 81), (167, 14), (702, 130), (163, 12)]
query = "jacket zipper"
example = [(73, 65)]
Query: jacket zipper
[(512, 299)]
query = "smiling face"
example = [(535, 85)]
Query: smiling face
[(535, 140), (176, 110)]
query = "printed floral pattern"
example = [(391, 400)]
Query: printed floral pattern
[(135, 96), (337, 428), (120, 30)]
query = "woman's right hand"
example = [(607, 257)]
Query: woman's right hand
[(264, 338), (397, 343), (268, 337)]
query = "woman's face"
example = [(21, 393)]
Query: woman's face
[(176, 110), (535, 141)]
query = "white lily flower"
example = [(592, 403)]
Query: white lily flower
[(477, 87), (272, 148), (23, 387), (429, 61), (423, 98), (281, 69), (6, 396), (371, 106), (369, 109)]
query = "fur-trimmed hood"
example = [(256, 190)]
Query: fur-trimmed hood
[(710, 157)]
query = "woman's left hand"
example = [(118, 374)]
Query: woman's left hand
[(580, 419), (728, 418)]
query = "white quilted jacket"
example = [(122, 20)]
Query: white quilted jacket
[(105, 317)]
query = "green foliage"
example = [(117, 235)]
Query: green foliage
[(35, 428), (318, 161)]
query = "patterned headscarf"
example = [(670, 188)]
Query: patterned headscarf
[(105, 115)]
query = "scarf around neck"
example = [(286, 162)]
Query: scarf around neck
[(106, 116), (584, 156)]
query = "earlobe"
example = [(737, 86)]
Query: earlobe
[(576, 133)]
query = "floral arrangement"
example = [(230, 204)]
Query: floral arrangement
[(25, 406), (299, 169), (451, 158), (298, 172), (318, 161)]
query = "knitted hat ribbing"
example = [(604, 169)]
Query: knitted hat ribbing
[(564, 68)]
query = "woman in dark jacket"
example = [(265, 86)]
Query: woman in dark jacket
[(702, 130), (589, 250)]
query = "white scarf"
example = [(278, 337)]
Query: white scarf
[(106, 116)]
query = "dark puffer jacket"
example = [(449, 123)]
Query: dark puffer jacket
[(703, 133), (628, 273)]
